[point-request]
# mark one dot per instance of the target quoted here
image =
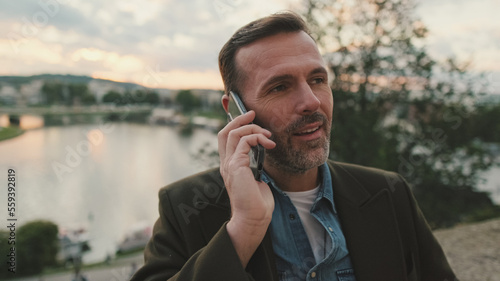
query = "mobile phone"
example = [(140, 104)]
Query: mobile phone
[(256, 154)]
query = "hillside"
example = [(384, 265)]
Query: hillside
[(27, 90), (67, 79)]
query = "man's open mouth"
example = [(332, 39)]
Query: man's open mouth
[(307, 131)]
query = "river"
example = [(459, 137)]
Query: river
[(103, 177), (106, 177)]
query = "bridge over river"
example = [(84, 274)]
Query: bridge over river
[(62, 115)]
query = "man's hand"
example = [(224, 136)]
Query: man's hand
[(252, 202)]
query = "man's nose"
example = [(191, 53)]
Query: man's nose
[(307, 101)]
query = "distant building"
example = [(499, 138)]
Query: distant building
[(209, 98), (31, 93), (26, 91), (8, 95), (99, 88)]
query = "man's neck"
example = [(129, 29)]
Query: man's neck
[(295, 182)]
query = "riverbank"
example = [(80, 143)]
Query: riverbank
[(10, 132), (473, 250), (120, 269)]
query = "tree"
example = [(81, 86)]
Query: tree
[(113, 97), (146, 96), (88, 99), (128, 98), (396, 108), (37, 246), (140, 96), (77, 92), (5, 249), (187, 101), (485, 122), (152, 98), (53, 92)]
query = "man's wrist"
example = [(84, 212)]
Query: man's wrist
[(246, 237)]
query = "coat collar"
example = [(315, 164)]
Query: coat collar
[(345, 186), (368, 221)]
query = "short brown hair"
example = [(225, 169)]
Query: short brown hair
[(271, 25)]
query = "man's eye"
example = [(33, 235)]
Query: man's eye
[(279, 88), (319, 80)]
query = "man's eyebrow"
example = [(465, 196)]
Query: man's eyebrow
[(319, 69), (276, 79)]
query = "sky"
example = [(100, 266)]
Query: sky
[(175, 44)]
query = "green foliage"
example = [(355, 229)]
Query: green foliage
[(187, 101), (88, 99), (37, 246), (485, 122), (146, 97), (398, 109), (113, 97), (152, 98), (128, 98), (4, 257), (53, 92), (77, 91), (56, 92), (140, 96)]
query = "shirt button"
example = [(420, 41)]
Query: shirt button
[(313, 274), (331, 229), (292, 216)]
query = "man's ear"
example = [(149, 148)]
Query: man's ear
[(225, 102)]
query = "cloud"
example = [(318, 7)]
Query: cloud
[(466, 30), (35, 52), (176, 35), (123, 38)]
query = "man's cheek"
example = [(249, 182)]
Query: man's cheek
[(278, 120)]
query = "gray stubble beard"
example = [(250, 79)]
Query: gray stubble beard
[(295, 161)]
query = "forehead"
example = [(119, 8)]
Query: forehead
[(283, 53)]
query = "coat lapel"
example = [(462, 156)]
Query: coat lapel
[(262, 265), (370, 228), (368, 223)]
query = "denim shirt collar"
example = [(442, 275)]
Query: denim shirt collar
[(325, 190)]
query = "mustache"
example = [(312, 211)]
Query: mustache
[(305, 120)]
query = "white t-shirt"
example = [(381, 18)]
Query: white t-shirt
[(319, 239)]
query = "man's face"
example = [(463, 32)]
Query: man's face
[(286, 83)]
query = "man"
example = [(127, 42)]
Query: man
[(309, 218)]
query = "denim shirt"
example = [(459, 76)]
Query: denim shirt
[(294, 256)]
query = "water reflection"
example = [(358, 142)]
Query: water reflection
[(30, 122), (103, 177)]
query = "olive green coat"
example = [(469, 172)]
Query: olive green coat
[(386, 233)]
